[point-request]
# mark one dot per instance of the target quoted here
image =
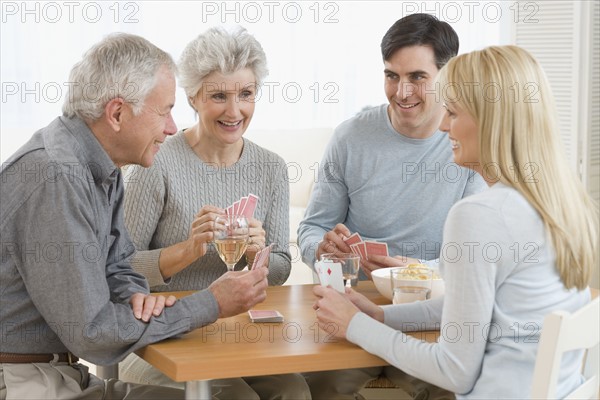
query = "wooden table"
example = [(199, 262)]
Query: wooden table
[(235, 347)]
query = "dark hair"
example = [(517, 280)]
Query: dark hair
[(421, 30)]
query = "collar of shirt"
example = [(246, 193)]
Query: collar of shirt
[(92, 154)]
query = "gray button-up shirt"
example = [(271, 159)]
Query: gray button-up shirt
[(65, 278)]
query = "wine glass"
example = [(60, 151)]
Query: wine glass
[(350, 265), (231, 238)]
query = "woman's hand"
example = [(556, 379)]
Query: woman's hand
[(202, 230), (256, 242), (334, 310), (365, 305)]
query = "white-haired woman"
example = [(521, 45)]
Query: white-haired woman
[(170, 208), (515, 252)]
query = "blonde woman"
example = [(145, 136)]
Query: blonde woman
[(511, 254)]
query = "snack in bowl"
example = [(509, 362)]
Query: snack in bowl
[(382, 279)]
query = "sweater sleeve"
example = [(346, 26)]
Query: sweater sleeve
[(277, 227), (454, 363), (144, 202), (417, 316)]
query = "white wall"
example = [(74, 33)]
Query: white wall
[(323, 56)]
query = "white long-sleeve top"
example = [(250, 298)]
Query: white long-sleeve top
[(499, 269)]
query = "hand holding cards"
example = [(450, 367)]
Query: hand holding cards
[(261, 257), (330, 273), (333, 269), (366, 248)]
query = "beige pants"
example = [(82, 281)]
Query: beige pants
[(273, 387), (62, 381), (346, 383)]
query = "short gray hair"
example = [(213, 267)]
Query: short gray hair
[(222, 51), (121, 65)]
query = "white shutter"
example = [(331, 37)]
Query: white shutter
[(592, 150), (590, 113), (565, 37), (549, 30)]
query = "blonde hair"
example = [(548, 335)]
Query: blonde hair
[(506, 91)]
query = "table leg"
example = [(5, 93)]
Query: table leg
[(198, 390), (108, 371)]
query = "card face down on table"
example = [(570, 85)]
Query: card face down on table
[(265, 316)]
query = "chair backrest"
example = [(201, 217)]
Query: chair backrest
[(564, 332)]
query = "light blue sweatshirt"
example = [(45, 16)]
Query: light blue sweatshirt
[(499, 268), (385, 186)]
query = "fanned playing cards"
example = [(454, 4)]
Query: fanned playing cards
[(365, 248), (261, 257), (244, 206)]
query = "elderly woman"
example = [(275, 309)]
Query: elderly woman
[(538, 220), (171, 207)]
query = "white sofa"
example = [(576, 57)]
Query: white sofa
[(302, 150)]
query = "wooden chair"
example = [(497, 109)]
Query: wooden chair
[(563, 332)]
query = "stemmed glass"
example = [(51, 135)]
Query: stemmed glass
[(350, 265), (231, 238)]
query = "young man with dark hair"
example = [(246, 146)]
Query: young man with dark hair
[(388, 174)]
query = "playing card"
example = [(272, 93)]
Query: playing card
[(336, 278), (320, 268), (354, 248), (261, 257), (353, 239), (376, 248), (236, 208), (265, 316), (243, 202), (362, 250), (250, 206), (229, 210), (330, 274)]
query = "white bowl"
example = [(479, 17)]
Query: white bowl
[(383, 283)]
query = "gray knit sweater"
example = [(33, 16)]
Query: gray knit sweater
[(161, 201)]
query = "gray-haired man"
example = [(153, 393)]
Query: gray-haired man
[(66, 286)]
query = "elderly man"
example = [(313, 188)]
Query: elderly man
[(66, 286)]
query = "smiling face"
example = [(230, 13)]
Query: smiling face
[(463, 133), (225, 105), (409, 86), (142, 134)]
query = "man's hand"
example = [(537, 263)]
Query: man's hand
[(375, 262), (333, 242), (146, 305), (238, 291)]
